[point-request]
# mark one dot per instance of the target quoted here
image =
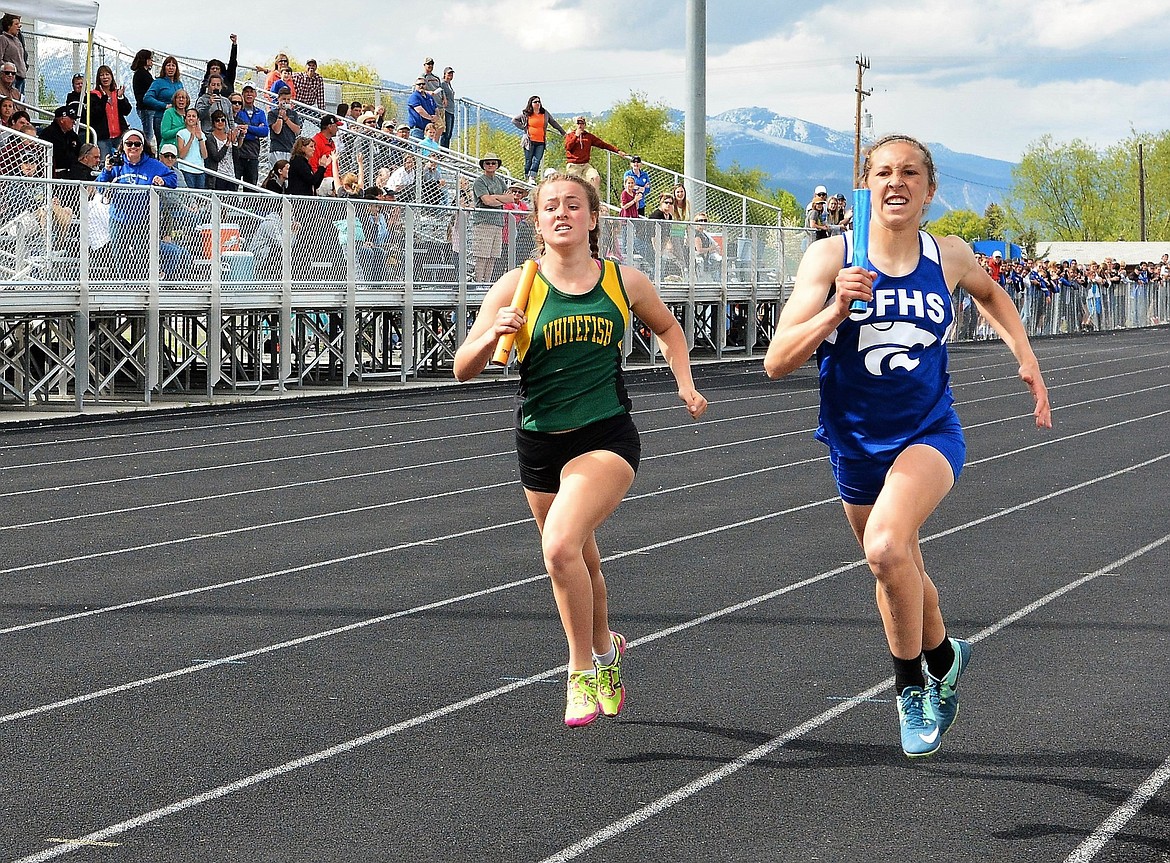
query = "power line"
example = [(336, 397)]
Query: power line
[(974, 182)]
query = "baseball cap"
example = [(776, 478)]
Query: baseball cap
[(328, 120), (997, 254), (429, 61), (637, 160), (247, 87), (66, 111), (821, 190), (168, 150), (133, 133), (448, 69)]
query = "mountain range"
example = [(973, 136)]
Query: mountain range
[(796, 155)]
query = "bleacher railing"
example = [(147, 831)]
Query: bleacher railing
[(135, 291), (473, 123)]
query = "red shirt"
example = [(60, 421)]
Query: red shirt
[(324, 145), (579, 148)]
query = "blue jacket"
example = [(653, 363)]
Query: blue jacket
[(161, 94), (127, 205)]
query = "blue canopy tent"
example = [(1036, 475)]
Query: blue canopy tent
[(1010, 251)]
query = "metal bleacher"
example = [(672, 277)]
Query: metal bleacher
[(210, 293)]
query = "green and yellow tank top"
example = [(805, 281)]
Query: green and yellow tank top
[(570, 354)]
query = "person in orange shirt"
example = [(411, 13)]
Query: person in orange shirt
[(534, 122)]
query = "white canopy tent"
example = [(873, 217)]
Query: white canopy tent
[(82, 14)]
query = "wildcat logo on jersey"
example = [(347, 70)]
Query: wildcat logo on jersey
[(887, 346), (578, 328)]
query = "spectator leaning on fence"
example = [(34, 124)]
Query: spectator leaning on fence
[(579, 146)]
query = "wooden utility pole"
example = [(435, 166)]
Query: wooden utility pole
[(1142, 191), (862, 64)]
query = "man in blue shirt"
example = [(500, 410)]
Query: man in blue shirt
[(256, 122), (420, 109)]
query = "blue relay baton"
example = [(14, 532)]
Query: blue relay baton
[(861, 210)]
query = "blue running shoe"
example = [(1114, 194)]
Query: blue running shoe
[(920, 731), (944, 699)]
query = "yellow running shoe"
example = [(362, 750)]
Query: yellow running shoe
[(611, 695), (581, 708)]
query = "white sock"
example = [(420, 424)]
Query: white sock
[(606, 658)]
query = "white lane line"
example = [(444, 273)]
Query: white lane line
[(507, 396), (401, 546), (317, 516), (268, 489), (301, 456), (1121, 816), (451, 600), (595, 839), (698, 621), (413, 422), (657, 807)]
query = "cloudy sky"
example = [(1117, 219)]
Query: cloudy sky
[(980, 76)]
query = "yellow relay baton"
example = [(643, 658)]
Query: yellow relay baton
[(520, 301)]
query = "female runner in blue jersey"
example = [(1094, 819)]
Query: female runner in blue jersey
[(577, 446), (895, 444)]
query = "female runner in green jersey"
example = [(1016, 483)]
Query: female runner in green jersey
[(578, 448)]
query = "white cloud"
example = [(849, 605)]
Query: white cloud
[(986, 77)]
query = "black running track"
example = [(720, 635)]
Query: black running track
[(319, 630)]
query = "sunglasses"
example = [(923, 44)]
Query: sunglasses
[(237, 104), (370, 123), (6, 72), (490, 162), (668, 200), (132, 144), (169, 156)]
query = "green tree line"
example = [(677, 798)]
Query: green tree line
[(1071, 191)]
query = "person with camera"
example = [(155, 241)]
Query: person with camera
[(131, 169), (284, 127)]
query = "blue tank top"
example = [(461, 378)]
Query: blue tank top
[(883, 371)]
